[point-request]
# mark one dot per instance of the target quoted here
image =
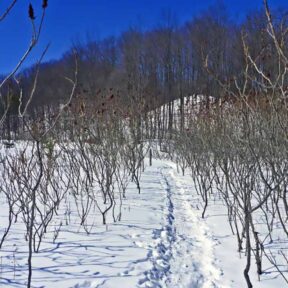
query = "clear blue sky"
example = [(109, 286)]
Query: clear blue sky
[(72, 19)]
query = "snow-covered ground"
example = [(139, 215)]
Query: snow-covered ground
[(161, 241)]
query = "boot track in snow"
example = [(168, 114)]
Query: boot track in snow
[(181, 257)]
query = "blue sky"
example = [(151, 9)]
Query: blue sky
[(69, 20)]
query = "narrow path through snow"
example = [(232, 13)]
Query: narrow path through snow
[(182, 255)]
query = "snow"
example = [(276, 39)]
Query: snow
[(161, 241)]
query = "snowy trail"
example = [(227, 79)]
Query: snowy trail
[(160, 252), (182, 255), (193, 262)]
